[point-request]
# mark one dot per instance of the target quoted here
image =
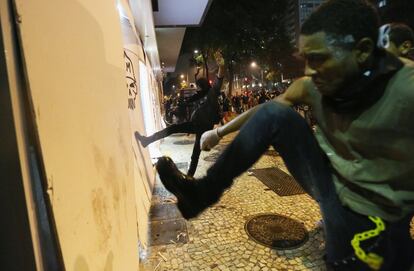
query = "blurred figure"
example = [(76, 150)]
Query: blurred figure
[(168, 103), (263, 97), (245, 100), (237, 103), (225, 105)]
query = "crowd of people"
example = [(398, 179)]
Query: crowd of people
[(177, 108), (243, 101)]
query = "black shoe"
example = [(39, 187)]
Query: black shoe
[(192, 195), (142, 139)]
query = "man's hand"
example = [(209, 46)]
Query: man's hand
[(219, 58), (209, 139)]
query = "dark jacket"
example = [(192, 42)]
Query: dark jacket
[(208, 112)]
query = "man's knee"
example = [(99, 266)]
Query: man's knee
[(277, 110)]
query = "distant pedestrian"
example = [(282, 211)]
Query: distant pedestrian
[(226, 107), (263, 97), (245, 101), (237, 103)]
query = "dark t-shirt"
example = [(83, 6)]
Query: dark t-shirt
[(226, 104)]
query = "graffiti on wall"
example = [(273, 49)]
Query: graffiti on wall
[(131, 80)]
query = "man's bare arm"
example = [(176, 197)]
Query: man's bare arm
[(296, 93), (220, 62)]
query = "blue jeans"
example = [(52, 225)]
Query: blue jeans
[(281, 127), (189, 127)]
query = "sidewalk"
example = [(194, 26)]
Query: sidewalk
[(217, 240)]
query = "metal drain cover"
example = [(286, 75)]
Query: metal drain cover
[(276, 231), (184, 142), (280, 182)]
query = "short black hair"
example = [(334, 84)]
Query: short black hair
[(341, 18), (400, 32), (203, 83)]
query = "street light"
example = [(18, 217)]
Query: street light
[(195, 51), (182, 76), (254, 65)]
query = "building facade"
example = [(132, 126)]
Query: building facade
[(306, 7), (296, 13)]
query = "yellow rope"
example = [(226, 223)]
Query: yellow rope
[(373, 260)]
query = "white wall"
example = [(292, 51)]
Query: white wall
[(138, 81), (73, 52)]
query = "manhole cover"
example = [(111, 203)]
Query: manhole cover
[(184, 142), (276, 231), (212, 157)]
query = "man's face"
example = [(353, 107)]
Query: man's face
[(329, 65), (393, 49), (401, 51)]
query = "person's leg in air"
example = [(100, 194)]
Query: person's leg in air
[(186, 127)]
